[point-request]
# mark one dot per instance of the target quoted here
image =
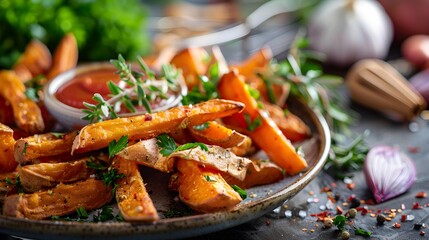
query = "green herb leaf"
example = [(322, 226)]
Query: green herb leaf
[(340, 222), (82, 213), (96, 166), (104, 215), (187, 146), (115, 147), (58, 135), (252, 125), (111, 176), (241, 192), (202, 127), (166, 144), (24, 149), (363, 232), (209, 178)]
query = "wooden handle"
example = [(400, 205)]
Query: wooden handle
[(377, 85)]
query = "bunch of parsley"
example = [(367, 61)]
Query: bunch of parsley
[(103, 28)]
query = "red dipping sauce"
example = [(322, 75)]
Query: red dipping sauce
[(84, 85)]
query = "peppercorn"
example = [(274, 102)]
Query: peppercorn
[(345, 235), (381, 219), (417, 226), (352, 212), (355, 202), (327, 223)]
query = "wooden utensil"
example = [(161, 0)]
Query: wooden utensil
[(377, 85)]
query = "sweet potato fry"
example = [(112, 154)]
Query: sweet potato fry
[(47, 175), (259, 173), (26, 112), (216, 134), (7, 162), (99, 135), (43, 145), (36, 60), (251, 65), (65, 56), (204, 189), (192, 61), (133, 200), (6, 112), (265, 134), (146, 153), (291, 125), (61, 200)]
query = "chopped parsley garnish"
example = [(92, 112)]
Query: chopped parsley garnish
[(58, 135), (82, 213), (33, 88), (363, 232), (117, 146), (16, 183), (340, 222), (252, 124), (24, 150), (187, 146), (166, 144), (202, 127), (106, 214), (209, 178), (240, 191)]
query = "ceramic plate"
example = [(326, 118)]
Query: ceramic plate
[(264, 199)]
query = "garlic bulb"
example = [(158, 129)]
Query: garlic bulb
[(350, 30)]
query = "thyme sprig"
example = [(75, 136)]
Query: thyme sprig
[(135, 89)]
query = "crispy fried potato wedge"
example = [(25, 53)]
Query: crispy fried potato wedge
[(47, 175), (133, 200), (36, 60), (61, 200), (65, 56), (259, 173), (26, 113), (204, 189), (43, 145), (291, 125), (99, 135), (265, 132), (7, 161), (193, 63)]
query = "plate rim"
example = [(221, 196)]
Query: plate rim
[(205, 223)]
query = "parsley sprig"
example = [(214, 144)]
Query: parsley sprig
[(206, 90), (167, 145), (117, 146), (136, 89)]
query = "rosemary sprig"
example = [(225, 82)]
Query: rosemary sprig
[(136, 89)]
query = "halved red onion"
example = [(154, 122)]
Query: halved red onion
[(389, 172)]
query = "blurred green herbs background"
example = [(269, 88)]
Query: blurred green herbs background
[(103, 28)]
